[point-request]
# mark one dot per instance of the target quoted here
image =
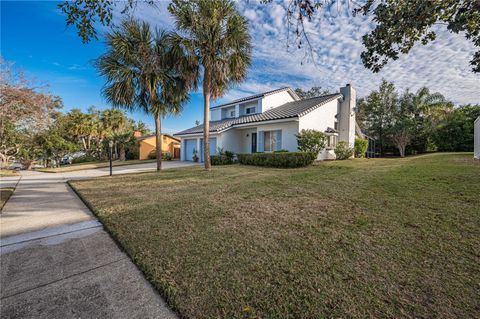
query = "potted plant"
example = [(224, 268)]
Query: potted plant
[(195, 157)]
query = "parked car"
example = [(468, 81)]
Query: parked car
[(17, 166)]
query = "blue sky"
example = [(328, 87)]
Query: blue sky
[(34, 36)]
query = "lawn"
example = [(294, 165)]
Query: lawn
[(5, 194), (383, 238), (90, 165), (8, 173)]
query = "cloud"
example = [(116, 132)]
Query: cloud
[(336, 41)]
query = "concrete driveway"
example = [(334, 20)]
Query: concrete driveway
[(58, 262)]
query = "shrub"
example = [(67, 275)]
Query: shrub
[(310, 141), (165, 155), (222, 158), (361, 147), (281, 151), (281, 160), (342, 151), (152, 154), (84, 159)]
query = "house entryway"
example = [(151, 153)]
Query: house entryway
[(254, 143)]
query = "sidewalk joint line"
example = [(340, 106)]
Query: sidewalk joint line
[(53, 235), (64, 278)]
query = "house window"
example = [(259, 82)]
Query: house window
[(232, 113), (335, 126), (272, 140), (250, 110)]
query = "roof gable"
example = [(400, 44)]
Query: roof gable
[(258, 96)]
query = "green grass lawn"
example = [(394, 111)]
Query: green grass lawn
[(90, 165), (8, 173), (382, 238), (5, 194)]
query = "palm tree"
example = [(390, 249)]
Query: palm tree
[(145, 71), (217, 36), (433, 105)]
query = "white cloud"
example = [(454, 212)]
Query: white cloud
[(336, 38)]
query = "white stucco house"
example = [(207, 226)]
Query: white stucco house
[(269, 121)]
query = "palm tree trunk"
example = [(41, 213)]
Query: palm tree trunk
[(206, 120), (158, 141), (121, 153)]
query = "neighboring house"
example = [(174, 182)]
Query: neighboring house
[(476, 139), (147, 145), (269, 121)]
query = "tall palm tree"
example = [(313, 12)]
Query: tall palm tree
[(144, 71), (215, 33)]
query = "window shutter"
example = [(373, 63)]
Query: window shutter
[(260, 141), (279, 140)]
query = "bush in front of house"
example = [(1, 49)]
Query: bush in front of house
[(361, 147), (166, 156), (222, 158), (311, 141), (279, 160), (342, 151)]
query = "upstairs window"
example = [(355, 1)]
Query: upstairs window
[(250, 110), (232, 113)]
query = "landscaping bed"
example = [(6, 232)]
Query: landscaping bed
[(357, 238)]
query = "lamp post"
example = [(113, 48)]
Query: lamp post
[(110, 145)]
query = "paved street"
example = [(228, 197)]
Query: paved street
[(58, 262)]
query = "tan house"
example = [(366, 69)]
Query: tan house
[(147, 145)]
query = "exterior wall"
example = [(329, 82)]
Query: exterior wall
[(226, 112), (245, 139), (215, 114), (230, 140), (319, 120), (289, 129), (147, 145), (476, 139), (274, 100), (243, 107)]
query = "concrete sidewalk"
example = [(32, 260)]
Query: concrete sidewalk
[(58, 262)]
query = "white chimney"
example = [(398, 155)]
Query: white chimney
[(346, 115)]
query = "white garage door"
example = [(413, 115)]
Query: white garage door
[(190, 145), (213, 147)]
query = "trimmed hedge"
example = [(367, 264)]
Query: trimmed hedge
[(280, 160), (221, 160)]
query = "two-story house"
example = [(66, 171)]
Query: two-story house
[(270, 121)]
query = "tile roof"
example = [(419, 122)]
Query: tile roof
[(260, 95), (285, 111), (143, 137)]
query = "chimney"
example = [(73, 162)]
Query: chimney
[(346, 115), (137, 134)]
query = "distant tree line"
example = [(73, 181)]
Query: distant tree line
[(32, 128), (415, 122)]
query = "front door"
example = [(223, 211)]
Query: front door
[(254, 142)]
